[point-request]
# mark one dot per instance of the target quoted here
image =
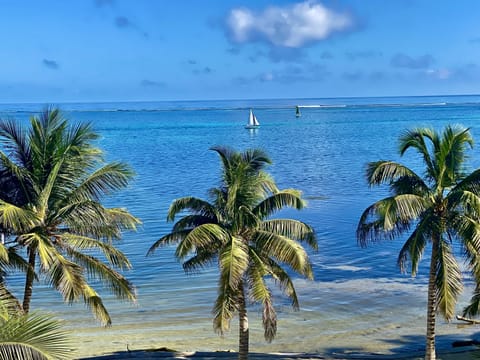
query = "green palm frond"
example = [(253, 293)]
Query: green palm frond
[(415, 138), (285, 198), (470, 183), (190, 221), (224, 308), (168, 239), (200, 260), (34, 336), (202, 236), (256, 158), (292, 229), (92, 219), (233, 260), (121, 219), (413, 248), (16, 218), (391, 217), (259, 291), (452, 153), (3, 254), (114, 256), (197, 206), (448, 281), (112, 280), (282, 278), (14, 142), (96, 306), (9, 305), (106, 180), (14, 261), (66, 277), (386, 172), (285, 250)]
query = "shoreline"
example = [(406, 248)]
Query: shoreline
[(467, 353)]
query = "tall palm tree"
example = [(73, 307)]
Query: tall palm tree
[(50, 206), (434, 210), (27, 336), (235, 230)]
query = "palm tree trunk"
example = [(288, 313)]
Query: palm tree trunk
[(243, 325), (431, 304), (27, 294)]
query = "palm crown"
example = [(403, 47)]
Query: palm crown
[(234, 229), (436, 209), (54, 178)]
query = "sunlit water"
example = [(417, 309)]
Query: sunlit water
[(358, 302)]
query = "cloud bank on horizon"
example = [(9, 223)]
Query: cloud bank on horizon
[(117, 50)]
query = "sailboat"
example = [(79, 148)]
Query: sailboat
[(297, 111), (252, 121)]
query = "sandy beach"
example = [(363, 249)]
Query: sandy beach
[(464, 354)]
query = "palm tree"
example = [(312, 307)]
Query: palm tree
[(27, 336), (234, 229), (54, 181), (30, 336), (434, 210)]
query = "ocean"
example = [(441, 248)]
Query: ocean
[(358, 303)]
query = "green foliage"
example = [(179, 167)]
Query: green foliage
[(234, 229), (55, 178), (439, 208), (30, 336)]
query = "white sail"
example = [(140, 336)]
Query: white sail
[(252, 121)]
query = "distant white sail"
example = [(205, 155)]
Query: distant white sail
[(252, 121)]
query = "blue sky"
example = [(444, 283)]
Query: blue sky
[(147, 50)]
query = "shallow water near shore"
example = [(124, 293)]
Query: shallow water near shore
[(358, 303)]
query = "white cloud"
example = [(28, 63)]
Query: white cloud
[(291, 26)]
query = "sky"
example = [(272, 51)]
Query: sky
[(154, 50)]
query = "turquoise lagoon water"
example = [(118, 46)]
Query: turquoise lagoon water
[(358, 303)]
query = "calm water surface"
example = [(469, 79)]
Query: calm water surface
[(358, 302)]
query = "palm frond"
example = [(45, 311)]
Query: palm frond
[(233, 260), (34, 336), (282, 278), (14, 142), (200, 260), (168, 239), (224, 308), (9, 305), (269, 320), (191, 221), (16, 218), (96, 306), (276, 202), (292, 229), (106, 180), (415, 138), (115, 282), (285, 250), (386, 172), (195, 205), (114, 256), (389, 217), (201, 237), (448, 281), (413, 248)]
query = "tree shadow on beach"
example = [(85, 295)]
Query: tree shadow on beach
[(412, 347), (169, 354)]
